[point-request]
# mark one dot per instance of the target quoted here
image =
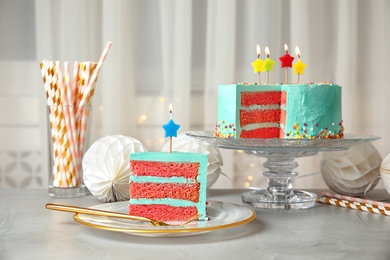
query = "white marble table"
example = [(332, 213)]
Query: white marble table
[(29, 231)]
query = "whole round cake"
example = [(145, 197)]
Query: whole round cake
[(298, 111)]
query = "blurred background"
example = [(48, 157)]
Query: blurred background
[(178, 52)]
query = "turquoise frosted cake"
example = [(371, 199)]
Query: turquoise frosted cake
[(279, 111), (168, 186)]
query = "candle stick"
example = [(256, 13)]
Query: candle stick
[(170, 118), (170, 110), (299, 67), (268, 64), (170, 128), (286, 61), (258, 65)]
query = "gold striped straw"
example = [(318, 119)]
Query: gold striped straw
[(353, 205)]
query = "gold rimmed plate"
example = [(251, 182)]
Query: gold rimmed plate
[(221, 215)]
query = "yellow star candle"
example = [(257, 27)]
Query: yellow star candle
[(258, 65), (268, 64), (299, 67)]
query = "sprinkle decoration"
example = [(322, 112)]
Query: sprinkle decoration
[(314, 132), (69, 98), (224, 130)]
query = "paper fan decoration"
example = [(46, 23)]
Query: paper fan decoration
[(385, 173), (106, 167), (185, 143), (352, 172)]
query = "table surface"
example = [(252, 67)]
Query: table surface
[(29, 231)]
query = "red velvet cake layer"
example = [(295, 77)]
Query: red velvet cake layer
[(165, 169), (248, 117), (260, 98), (266, 132), (283, 97), (150, 190), (163, 212)]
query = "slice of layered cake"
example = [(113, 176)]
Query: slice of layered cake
[(168, 186)]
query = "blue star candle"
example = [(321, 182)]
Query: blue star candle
[(170, 128)]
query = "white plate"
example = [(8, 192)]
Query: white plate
[(221, 215)]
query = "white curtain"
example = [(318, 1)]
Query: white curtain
[(178, 52)]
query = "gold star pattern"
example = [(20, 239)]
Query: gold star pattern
[(299, 67)]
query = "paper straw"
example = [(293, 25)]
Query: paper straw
[(72, 111), (71, 129), (56, 165), (47, 70), (68, 101), (45, 76), (64, 130), (96, 72), (53, 101), (75, 82), (379, 204), (353, 205), (92, 90), (83, 130), (59, 180)]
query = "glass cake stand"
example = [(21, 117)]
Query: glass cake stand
[(281, 154)]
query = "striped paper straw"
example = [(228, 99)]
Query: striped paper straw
[(353, 205), (47, 70), (95, 74), (70, 115), (83, 130), (64, 130), (75, 82), (52, 91), (378, 204), (69, 99)]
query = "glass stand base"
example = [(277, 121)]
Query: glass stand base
[(279, 194), (82, 190), (262, 199)]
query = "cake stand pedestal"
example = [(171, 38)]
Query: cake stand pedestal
[(281, 153), (279, 193)]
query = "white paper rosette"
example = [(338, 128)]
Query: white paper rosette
[(352, 172), (385, 173), (184, 143), (106, 167)]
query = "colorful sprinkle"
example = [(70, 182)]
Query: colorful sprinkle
[(323, 133), (223, 130)]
